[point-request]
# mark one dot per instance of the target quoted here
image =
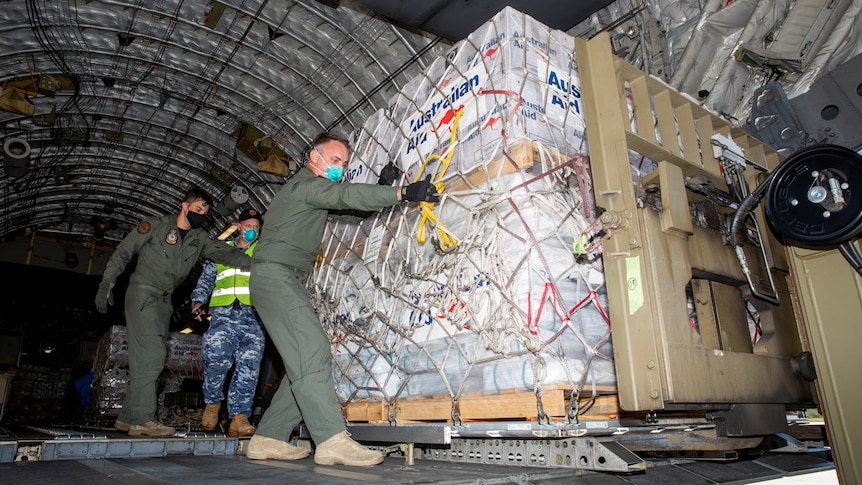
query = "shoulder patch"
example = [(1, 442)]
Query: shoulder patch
[(144, 227)]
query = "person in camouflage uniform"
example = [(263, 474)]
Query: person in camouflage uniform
[(167, 247), (234, 337)]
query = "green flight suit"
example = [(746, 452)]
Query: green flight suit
[(289, 242), (164, 261)]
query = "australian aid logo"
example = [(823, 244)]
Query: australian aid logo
[(565, 98), (429, 128)]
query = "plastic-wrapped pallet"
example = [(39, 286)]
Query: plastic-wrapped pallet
[(183, 360), (110, 374), (494, 298), (37, 394)]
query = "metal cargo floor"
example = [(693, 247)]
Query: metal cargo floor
[(213, 459), (190, 469)]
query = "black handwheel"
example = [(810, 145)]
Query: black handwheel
[(815, 196)]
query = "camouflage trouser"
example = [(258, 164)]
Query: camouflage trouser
[(234, 337)]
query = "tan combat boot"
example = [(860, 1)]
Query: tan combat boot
[(263, 448), (239, 426), (122, 426), (342, 450), (210, 418), (151, 428)]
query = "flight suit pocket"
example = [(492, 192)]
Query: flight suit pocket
[(148, 301)]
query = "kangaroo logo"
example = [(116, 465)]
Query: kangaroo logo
[(447, 118)]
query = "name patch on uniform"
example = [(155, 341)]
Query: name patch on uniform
[(143, 227), (172, 237)]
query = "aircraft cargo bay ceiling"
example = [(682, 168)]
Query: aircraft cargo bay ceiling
[(111, 109), (134, 101)]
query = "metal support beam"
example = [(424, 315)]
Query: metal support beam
[(830, 298), (570, 453), (421, 433)]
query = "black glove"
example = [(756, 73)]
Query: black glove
[(422, 190), (388, 174), (104, 297)]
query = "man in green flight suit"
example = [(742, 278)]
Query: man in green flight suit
[(167, 248), (288, 245)]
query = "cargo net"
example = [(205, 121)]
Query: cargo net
[(499, 286)]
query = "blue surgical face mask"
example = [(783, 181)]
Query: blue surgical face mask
[(333, 172), (249, 235)]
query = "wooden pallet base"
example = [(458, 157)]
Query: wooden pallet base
[(508, 405)]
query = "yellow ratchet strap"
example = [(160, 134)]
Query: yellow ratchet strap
[(427, 208)]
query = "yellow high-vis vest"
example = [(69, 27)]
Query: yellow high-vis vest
[(231, 283)]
